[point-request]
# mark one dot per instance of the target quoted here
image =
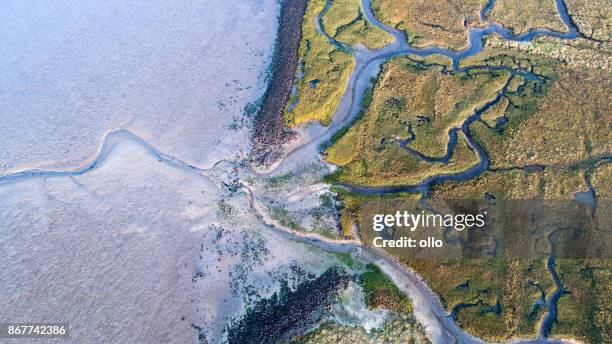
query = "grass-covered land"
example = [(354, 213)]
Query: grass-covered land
[(565, 121), (516, 185), (502, 295), (501, 302), (545, 141), (388, 164), (497, 111), (490, 56), (325, 69), (592, 18), (501, 291), (601, 178), (323, 64), (525, 15), (431, 22), (581, 312), (568, 122), (502, 306), (435, 102), (584, 313), (412, 98), (380, 291), (346, 23)]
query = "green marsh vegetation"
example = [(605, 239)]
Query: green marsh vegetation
[(431, 22), (502, 305), (561, 124), (584, 313), (524, 15), (380, 292), (323, 62), (569, 122), (345, 22), (412, 98), (325, 67), (504, 292), (518, 283)]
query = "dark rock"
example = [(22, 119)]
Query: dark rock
[(270, 131), (282, 317)]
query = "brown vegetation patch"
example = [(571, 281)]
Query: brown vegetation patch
[(441, 23)]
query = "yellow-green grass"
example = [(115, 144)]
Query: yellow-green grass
[(549, 184), (448, 100), (538, 202), (525, 15), (495, 56), (329, 65), (458, 280), (578, 53), (346, 223), (584, 313), (581, 314), (321, 61), (570, 113), (406, 91), (345, 22), (593, 17), (353, 205), (500, 279), (496, 111), (389, 164), (369, 153), (601, 180), (569, 122), (507, 281), (431, 22), (380, 292), (434, 60)]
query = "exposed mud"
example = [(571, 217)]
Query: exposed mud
[(270, 131)]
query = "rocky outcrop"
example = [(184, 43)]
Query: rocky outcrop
[(270, 131)]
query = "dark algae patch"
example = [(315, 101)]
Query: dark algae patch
[(288, 313), (270, 131)]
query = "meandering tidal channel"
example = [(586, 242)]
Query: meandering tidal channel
[(428, 308), (439, 325)]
